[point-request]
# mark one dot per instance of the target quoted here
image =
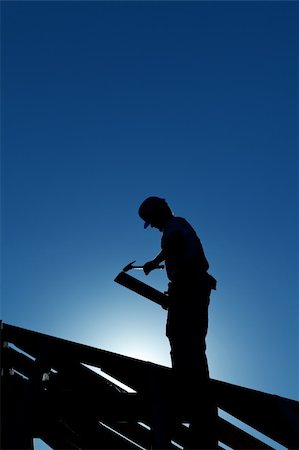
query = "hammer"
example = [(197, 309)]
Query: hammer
[(130, 267)]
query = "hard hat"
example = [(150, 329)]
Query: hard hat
[(150, 208)]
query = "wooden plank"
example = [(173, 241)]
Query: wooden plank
[(274, 416), (14, 360), (135, 432), (236, 438), (142, 289), (81, 389)]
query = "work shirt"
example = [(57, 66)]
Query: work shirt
[(184, 255)]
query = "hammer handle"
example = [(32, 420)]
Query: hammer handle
[(141, 267)]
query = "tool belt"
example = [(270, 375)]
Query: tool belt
[(189, 281)]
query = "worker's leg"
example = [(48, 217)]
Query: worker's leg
[(192, 390)]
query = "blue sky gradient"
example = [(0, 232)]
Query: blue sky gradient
[(105, 103)]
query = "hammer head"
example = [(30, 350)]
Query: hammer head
[(128, 266)]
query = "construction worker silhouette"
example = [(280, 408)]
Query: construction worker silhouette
[(189, 291)]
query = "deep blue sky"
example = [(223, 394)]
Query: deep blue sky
[(105, 103)]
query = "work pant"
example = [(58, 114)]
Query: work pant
[(192, 396)]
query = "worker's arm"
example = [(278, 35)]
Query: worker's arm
[(153, 264)]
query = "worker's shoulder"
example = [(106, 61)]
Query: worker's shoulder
[(176, 224)]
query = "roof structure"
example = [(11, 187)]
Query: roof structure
[(50, 391)]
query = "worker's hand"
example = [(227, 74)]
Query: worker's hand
[(149, 266)]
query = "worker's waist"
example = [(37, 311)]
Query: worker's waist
[(181, 280)]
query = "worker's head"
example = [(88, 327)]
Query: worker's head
[(155, 212)]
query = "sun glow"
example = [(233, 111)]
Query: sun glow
[(145, 349)]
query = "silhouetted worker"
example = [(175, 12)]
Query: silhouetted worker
[(187, 320)]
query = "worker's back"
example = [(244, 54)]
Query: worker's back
[(185, 256)]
